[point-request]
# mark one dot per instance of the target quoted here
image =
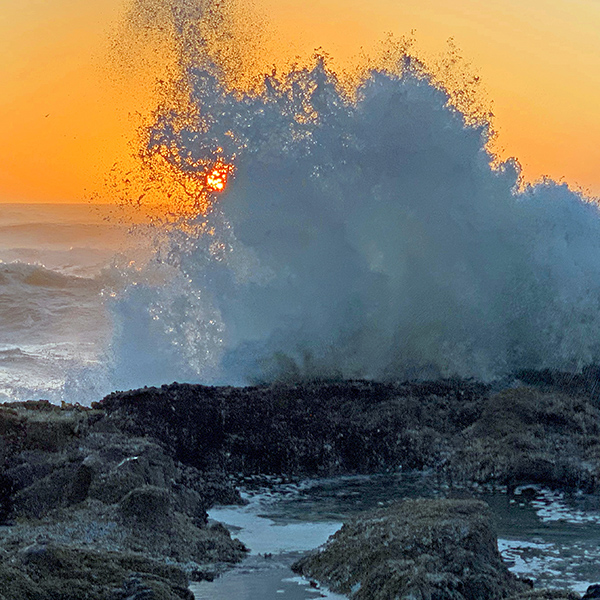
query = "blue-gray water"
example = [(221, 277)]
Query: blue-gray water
[(60, 265), (550, 537)]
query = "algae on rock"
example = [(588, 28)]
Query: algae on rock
[(437, 549)]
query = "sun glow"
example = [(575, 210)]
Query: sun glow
[(216, 180)]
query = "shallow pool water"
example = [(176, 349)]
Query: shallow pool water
[(550, 537)]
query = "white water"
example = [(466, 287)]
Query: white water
[(358, 236), (58, 265)]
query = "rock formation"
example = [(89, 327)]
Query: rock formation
[(438, 549)]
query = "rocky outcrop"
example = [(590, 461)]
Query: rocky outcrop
[(547, 595), (132, 479), (525, 435), (315, 428), (53, 572), (459, 429), (89, 493), (586, 383), (438, 549)]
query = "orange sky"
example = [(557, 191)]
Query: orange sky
[(66, 120)]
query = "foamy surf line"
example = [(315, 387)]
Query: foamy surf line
[(546, 563)]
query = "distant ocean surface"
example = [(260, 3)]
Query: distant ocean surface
[(57, 262)]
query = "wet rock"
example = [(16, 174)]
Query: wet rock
[(27, 467), (137, 588), (148, 505), (15, 584), (137, 473), (79, 485), (313, 428), (526, 436), (125, 464), (108, 492), (107, 467), (6, 497), (47, 493), (442, 549), (40, 425), (593, 591), (584, 384), (518, 436), (65, 573)]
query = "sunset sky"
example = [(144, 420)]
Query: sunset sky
[(67, 115)]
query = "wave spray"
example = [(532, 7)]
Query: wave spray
[(360, 233)]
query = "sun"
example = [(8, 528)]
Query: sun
[(216, 180)]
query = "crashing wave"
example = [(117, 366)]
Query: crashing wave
[(364, 232)]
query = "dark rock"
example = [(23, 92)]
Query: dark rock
[(586, 383), (139, 588), (122, 465), (546, 595), (519, 436), (178, 538), (151, 462), (593, 591), (6, 500), (442, 549), (15, 584), (147, 505), (107, 467), (308, 429), (80, 484), (40, 425), (113, 491), (47, 493), (28, 467), (526, 436), (65, 573)]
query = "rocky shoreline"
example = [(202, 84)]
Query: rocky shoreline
[(92, 513), (110, 502), (460, 429)]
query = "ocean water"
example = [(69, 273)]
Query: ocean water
[(58, 264)]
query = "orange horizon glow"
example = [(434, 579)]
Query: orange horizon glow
[(68, 115)]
